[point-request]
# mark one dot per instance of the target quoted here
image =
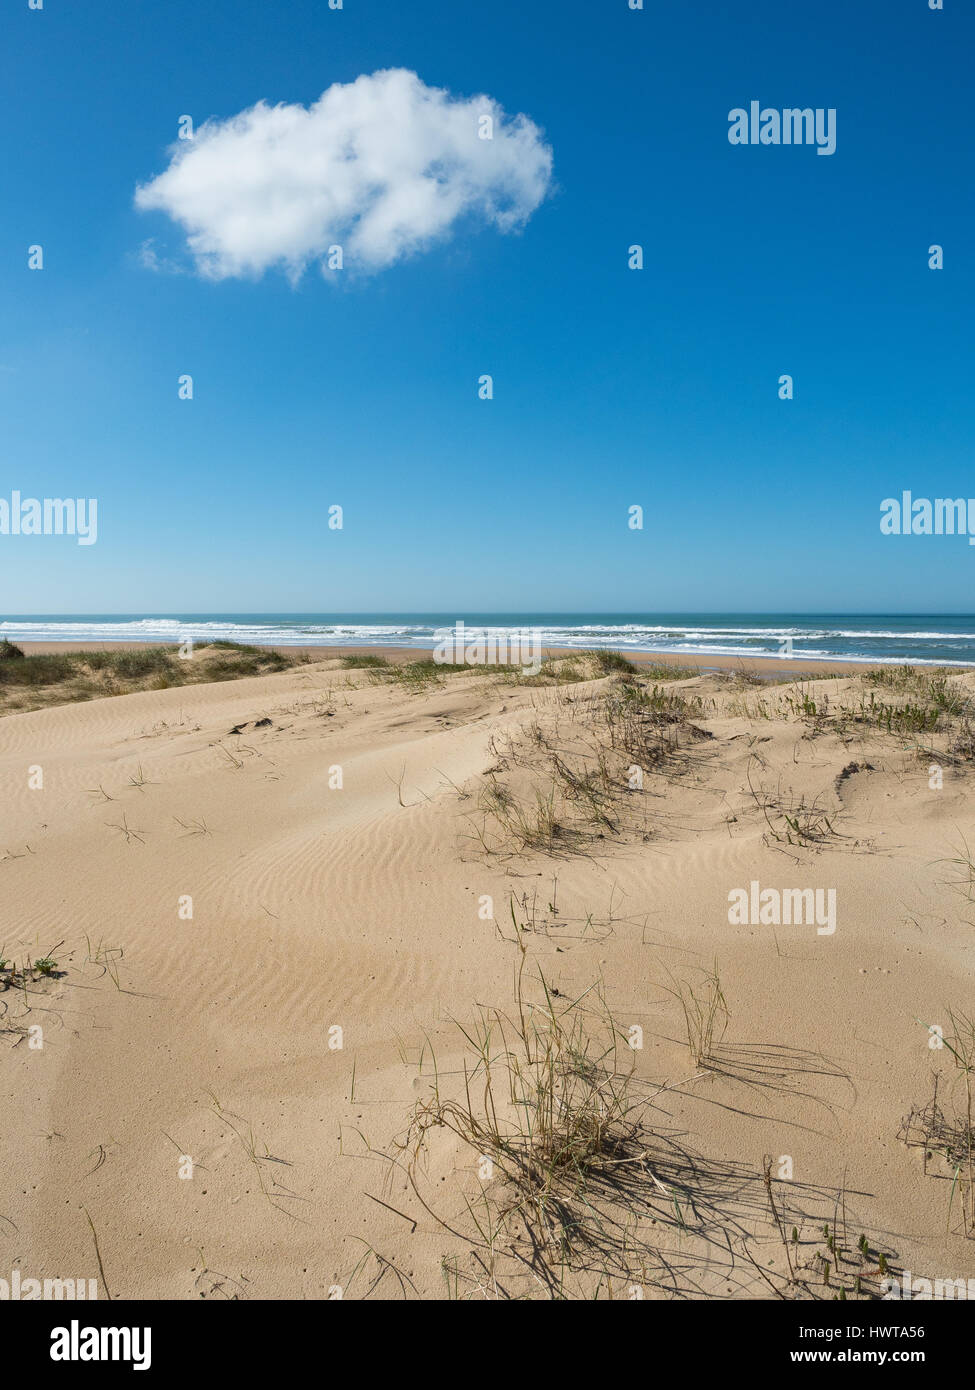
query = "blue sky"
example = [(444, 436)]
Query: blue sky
[(612, 387)]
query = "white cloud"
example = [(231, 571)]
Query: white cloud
[(382, 166), (150, 258)]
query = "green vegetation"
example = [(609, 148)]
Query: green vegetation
[(911, 702), (610, 663), (365, 661), (31, 681)]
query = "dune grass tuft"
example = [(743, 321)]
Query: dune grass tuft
[(548, 1102), (31, 681)]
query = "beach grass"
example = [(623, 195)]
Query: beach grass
[(30, 681)]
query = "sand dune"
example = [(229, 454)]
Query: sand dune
[(361, 907)]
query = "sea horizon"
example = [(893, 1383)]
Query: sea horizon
[(872, 638)]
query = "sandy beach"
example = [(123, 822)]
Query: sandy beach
[(282, 907)]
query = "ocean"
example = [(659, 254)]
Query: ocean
[(923, 639)]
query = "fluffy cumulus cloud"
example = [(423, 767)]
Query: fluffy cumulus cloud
[(383, 167)]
